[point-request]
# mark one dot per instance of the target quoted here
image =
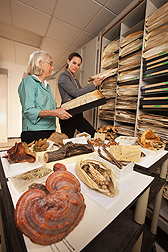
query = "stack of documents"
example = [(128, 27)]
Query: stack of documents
[(126, 130), (126, 102), (131, 43), (108, 89), (155, 89), (156, 44), (125, 116), (130, 57), (111, 55), (157, 123)]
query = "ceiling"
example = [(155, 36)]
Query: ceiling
[(56, 26)]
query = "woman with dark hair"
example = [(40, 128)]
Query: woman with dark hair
[(38, 104), (70, 88)]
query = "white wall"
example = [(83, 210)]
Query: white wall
[(15, 74), (88, 69)]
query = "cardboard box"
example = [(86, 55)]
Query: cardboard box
[(84, 102)]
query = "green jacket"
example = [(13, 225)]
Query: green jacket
[(34, 97)]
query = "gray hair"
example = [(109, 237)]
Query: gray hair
[(33, 65)]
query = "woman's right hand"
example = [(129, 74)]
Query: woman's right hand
[(63, 114), (98, 81)]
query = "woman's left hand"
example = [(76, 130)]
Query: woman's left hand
[(98, 81), (62, 114)]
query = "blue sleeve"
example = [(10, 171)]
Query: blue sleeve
[(27, 92)]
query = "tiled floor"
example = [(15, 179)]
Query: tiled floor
[(159, 248)]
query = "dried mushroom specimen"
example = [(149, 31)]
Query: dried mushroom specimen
[(20, 153), (151, 141), (98, 176), (47, 214)]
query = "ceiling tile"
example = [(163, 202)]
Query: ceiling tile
[(7, 52), (5, 11), (100, 22), (57, 68), (102, 1), (83, 39), (20, 35), (76, 12), (55, 48), (44, 6), (118, 5), (64, 58), (29, 18), (23, 52), (62, 31)]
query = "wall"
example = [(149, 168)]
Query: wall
[(15, 74), (89, 68)]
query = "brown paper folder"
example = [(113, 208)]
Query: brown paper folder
[(128, 90), (125, 116), (110, 104), (124, 102), (129, 75), (105, 74), (111, 47), (157, 123), (126, 130), (110, 61), (129, 62), (106, 114), (154, 102), (131, 37), (131, 47), (157, 18)]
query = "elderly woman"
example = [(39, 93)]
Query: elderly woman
[(70, 88), (38, 104)]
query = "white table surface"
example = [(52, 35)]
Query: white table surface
[(96, 217)]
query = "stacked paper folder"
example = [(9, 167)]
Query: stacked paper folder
[(126, 130), (155, 89), (126, 102), (108, 89), (131, 43), (157, 123), (125, 116), (154, 102), (130, 57), (156, 44), (111, 55)]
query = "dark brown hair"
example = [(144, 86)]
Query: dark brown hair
[(74, 54)]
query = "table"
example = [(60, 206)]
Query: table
[(156, 161), (91, 225)]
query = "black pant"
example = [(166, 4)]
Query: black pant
[(76, 122), (30, 136)]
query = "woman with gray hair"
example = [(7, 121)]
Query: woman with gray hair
[(38, 105)]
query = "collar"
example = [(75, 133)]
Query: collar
[(71, 74), (45, 82)]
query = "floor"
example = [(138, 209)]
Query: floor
[(160, 237)]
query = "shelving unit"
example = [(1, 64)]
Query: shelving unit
[(135, 21), (132, 22)]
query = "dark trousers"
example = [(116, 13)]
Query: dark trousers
[(78, 122), (30, 136)]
